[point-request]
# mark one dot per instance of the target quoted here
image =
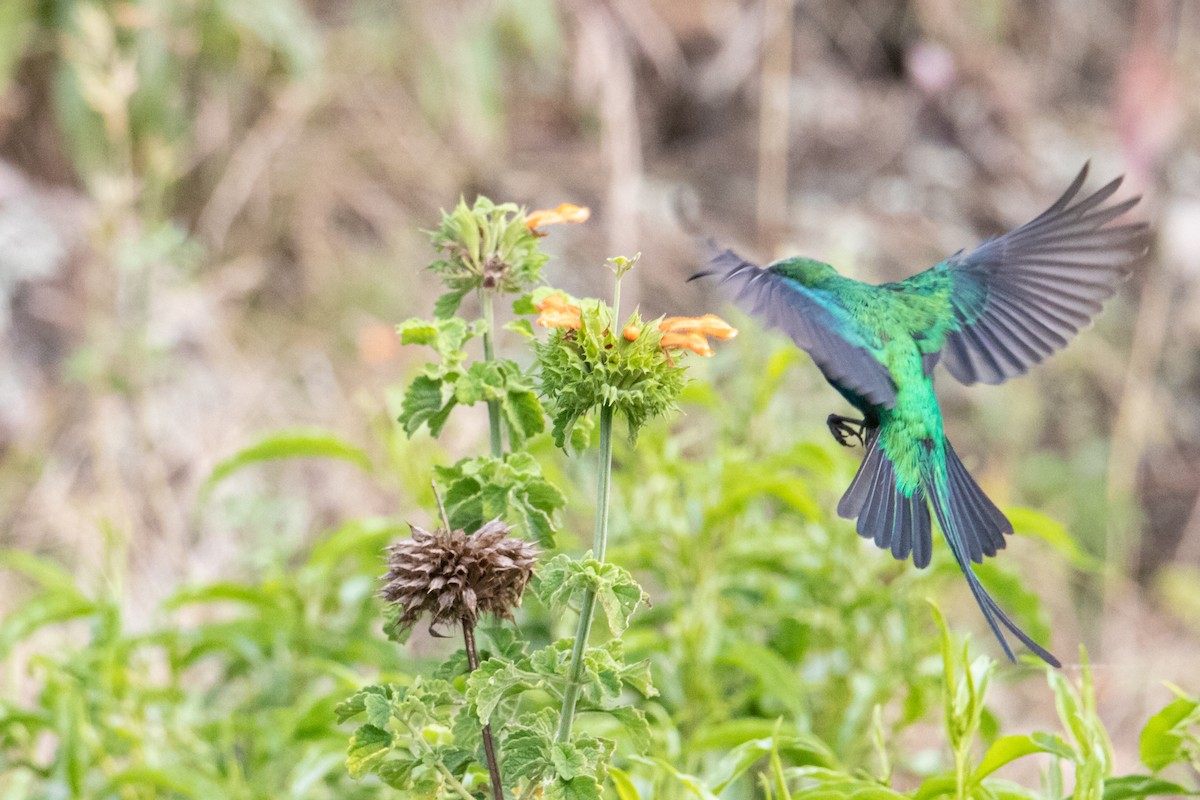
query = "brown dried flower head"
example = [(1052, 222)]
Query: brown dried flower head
[(455, 577)]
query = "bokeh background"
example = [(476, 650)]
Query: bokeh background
[(211, 218)]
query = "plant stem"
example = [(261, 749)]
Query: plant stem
[(489, 744), (599, 545), (489, 334)]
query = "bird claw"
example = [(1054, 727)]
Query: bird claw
[(844, 429)]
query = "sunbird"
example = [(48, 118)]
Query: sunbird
[(986, 315)]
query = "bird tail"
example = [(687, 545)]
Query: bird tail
[(973, 527)]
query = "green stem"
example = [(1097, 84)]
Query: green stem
[(599, 545), (489, 334)]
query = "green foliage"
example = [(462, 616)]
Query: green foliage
[(487, 246), (228, 693), (510, 487), (563, 579), (303, 443), (580, 370), (1172, 736)]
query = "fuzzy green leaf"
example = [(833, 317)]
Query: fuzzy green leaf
[(378, 709), (368, 747), (563, 579), (357, 703), (424, 404), (496, 679), (526, 747), (581, 788), (510, 487), (446, 305)]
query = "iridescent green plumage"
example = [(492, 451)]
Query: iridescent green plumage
[(987, 315)]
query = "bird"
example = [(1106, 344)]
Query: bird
[(986, 316)]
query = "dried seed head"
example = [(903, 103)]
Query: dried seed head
[(454, 577)]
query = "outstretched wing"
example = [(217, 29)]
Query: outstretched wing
[(1019, 297), (805, 314)]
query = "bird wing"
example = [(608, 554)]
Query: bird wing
[(806, 315), (1019, 297)]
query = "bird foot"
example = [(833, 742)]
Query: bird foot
[(844, 429)]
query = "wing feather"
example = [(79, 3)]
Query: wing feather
[(1020, 297), (804, 313)]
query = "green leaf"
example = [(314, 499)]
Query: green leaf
[(524, 305), (527, 745), (296, 443), (1027, 522), (634, 721), (510, 487), (357, 703), (1007, 749), (378, 709), (626, 790), (805, 750), (423, 404), (520, 326), (368, 747), (581, 788), (524, 415), (496, 679), (1131, 786), (562, 580), (568, 761), (446, 305), (1163, 741), (396, 773), (693, 784)]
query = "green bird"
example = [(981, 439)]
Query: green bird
[(986, 315)]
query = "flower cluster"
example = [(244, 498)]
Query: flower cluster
[(584, 364)]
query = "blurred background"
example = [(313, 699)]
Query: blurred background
[(211, 217)]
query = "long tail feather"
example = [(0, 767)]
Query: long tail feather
[(955, 498)]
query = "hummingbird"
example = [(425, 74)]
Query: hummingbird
[(986, 315)]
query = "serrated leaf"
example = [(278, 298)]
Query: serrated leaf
[(396, 772), (526, 754), (563, 579), (568, 761), (496, 679), (357, 703), (368, 747), (524, 415), (581, 788), (423, 404), (524, 304), (295, 443), (378, 709), (634, 721), (446, 305)]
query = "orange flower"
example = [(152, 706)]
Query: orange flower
[(556, 312), (631, 333), (567, 212), (691, 333)]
